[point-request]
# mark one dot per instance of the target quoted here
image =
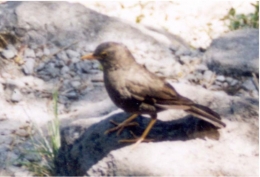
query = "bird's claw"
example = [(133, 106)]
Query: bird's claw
[(120, 127), (136, 139)]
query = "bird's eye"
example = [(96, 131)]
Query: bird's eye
[(103, 54)]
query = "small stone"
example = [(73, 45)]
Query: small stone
[(233, 82), (28, 66), (8, 54), (75, 84), (39, 53), (86, 88), (72, 54), (65, 69), (40, 67), (199, 76), (73, 95), (255, 94), (85, 66), (248, 84), (220, 78), (62, 55), (186, 59), (16, 96), (52, 70), (29, 53), (46, 51), (75, 60), (208, 75), (183, 51), (201, 67), (97, 77), (59, 63), (22, 133)]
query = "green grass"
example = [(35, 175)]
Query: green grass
[(46, 148), (238, 21)]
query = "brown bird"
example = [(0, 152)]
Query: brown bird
[(138, 91)]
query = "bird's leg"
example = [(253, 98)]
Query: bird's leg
[(120, 126), (137, 140)]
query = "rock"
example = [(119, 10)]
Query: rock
[(234, 82), (234, 53), (85, 66), (29, 53), (52, 70), (220, 78), (186, 59), (65, 69), (39, 53), (46, 51), (8, 54), (72, 54), (73, 95), (201, 67), (103, 155), (16, 96), (183, 50), (208, 75), (28, 67), (249, 84), (75, 84), (63, 56)]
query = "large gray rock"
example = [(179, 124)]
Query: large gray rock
[(183, 146), (64, 23), (235, 53)]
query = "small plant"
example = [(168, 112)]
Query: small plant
[(238, 21), (46, 148)]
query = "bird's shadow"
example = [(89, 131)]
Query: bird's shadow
[(92, 145)]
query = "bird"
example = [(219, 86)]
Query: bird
[(136, 90)]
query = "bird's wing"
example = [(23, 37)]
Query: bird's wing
[(151, 89)]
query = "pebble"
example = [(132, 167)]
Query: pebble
[(64, 70), (220, 78), (52, 70), (233, 82), (29, 53), (182, 51), (46, 51), (72, 95), (16, 95), (28, 66), (201, 67), (84, 66), (249, 84), (75, 84), (39, 53), (63, 56), (8, 54), (186, 59), (72, 54), (208, 75)]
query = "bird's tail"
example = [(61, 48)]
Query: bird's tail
[(206, 114)]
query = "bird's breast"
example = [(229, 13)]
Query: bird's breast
[(116, 87)]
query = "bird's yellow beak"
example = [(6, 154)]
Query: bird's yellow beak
[(88, 57)]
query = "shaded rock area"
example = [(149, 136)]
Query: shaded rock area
[(235, 52), (40, 52)]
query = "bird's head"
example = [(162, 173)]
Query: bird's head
[(111, 54)]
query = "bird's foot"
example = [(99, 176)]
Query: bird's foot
[(135, 140), (120, 126)]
